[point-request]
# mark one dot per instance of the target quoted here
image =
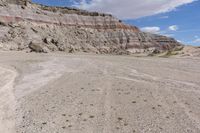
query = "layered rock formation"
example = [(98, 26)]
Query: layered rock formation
[(18, 2), (28, 26)]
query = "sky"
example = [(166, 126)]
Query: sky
[(179, 19)]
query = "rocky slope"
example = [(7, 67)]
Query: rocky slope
[(191, 51), (28, 26)]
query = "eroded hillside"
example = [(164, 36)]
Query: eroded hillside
[(33, 27)]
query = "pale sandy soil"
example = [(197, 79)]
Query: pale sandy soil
[(7, 100), (57, 93)]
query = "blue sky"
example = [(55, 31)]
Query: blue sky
[(175, 18), (54, 2), (186, 18)]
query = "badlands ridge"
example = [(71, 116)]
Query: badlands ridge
[(33, 27)]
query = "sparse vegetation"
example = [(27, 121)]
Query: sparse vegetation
[(169, 54)]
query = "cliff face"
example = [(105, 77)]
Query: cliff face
[(67, 29)]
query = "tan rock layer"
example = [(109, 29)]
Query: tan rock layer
[(14, 19)]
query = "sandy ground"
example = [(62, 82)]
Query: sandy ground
[(7, 101), (57, 93)]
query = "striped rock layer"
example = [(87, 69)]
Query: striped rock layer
[(70, 30)]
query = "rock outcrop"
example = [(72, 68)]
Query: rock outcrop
[(71, 30)]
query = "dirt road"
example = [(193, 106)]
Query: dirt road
[(57, 93)]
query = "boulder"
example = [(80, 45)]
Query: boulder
[(38, 47)]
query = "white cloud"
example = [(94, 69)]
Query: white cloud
[(164, 17), (197, 40), (179, 41), (131, 9), (168, 35), (173, 27), (154, 30)]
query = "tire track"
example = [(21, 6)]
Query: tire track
[(7, 101)]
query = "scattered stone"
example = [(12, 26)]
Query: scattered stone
[(125, 124), (187, 103), (91, 116), (133, 101), (38, 47), (44, 123), (117, 128), (80, 114), (3, 23), (119, 118), (70, 126), (159, 105)]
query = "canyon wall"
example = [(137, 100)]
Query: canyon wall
[(44, 29)]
